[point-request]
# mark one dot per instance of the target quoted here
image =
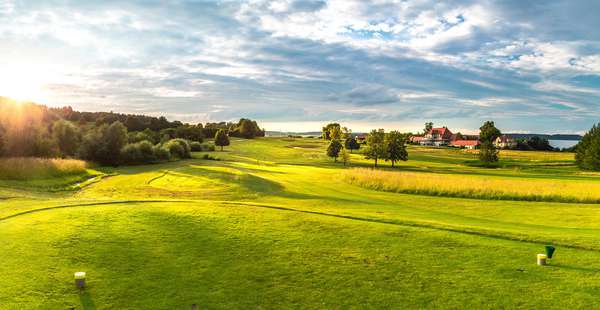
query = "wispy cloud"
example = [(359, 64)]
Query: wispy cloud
[(387, 62)]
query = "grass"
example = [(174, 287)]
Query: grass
[(273, 224), (24, 168), (476, 186)]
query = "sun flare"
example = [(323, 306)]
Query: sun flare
[(23, 83)]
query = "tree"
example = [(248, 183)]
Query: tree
[(395, 147), (221, 138), (335, 133), (115, 139), (327, 130), (345, 155), (104, 143), (67, 137), (428, 127), (587, 151), (375, 145), (351, 144), (246, 129), (345, 133), (334, 148), (487, 134)]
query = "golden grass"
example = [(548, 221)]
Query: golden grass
[(476, 186), (23, 168)]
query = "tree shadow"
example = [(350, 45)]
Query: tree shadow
[(86, 301), (576, 268)]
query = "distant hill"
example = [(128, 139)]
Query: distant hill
[(545, 136)]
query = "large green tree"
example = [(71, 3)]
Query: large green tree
[(351, 144), (67, 137), (221, 138), (488, 153), (334, 148), (327, 130), (375, 149), (428, 127), (587, 151), (395, 144), (104, 143)]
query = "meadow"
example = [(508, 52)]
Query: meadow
[(276, 224)]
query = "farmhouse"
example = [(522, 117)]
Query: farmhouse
[(505, 142), (442, 136), (437, 137)]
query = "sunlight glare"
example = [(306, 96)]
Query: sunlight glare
[(24, 83)]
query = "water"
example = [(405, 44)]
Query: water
[(561, 144)]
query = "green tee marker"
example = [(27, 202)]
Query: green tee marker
[(550, 250)]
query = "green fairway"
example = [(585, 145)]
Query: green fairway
[(275, 224)]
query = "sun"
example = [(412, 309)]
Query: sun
[(23, 83)]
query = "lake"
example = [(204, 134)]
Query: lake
[(563, 143)]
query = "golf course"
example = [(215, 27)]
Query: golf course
[(272, 223)]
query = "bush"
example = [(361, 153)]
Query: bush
[(138, 153), (196, 146), (179, 148), (206, 147), (202, 147), (146, 151), (208, 157), (161, 153), (130, 154)]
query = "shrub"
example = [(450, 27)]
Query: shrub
[(207, 147), (138, 153), (161, 152), (178, 148), (196, 146), (185, 145), (208, 157), (130, 154)]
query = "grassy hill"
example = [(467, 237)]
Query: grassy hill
[(275, 224)]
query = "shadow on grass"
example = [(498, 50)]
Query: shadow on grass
[(87, 303), (575, 268)]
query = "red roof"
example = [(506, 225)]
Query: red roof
[(465, 143), (442, 131), (416, 138)]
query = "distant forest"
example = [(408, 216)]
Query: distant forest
[(33, 130)]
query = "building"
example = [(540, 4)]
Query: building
[(505, 142), (467, 144), (437, 137)]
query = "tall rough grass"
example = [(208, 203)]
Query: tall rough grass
[(474, 186), (24, 168)]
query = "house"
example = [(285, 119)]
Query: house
[(467, 144), (505, 142), (361, 138), (437, 137)]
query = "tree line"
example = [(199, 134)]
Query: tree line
[(31, 130)]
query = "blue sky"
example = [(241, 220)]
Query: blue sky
[(531, 66)]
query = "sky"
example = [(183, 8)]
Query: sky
[(530, 66)]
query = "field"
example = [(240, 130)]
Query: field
[(275, 224)]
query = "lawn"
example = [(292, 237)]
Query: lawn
[(275, 224)]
